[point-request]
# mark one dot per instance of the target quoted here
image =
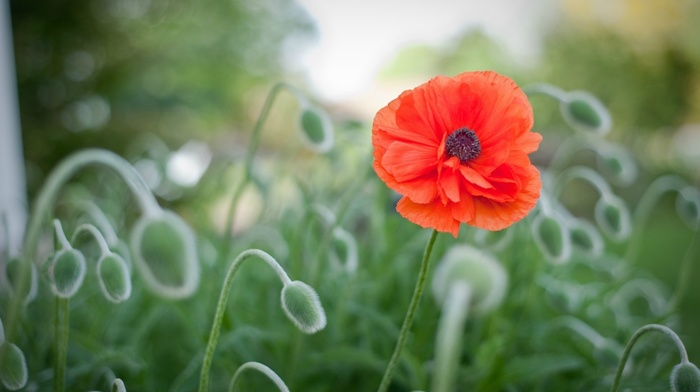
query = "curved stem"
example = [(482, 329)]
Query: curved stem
[(248, 163), (408, 320), (100, 220), (584, 173), (60, 235), (545, 89), (62, 322), (567, 149), (262, 369), (342, 208), (641, 331), (101, 241), (47, 196), (221, 306), (684, 272), (449, 336), (645, 207)]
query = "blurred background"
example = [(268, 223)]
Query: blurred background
[(101, 73), (154, 78)]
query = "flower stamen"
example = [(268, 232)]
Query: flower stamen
[(463, 144)]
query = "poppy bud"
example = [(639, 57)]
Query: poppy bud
[(317, 128), (585, 112), (302, 305), (485, 276), (67, 272), (688, 207), (347, 243), (613, 217), (552, 237), (10, 273), (113, 275), (617, 164), (118, 385), (13, 366), (164, 253), (585, 237), (685, 377)]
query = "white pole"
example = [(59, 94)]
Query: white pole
[(13, 187)]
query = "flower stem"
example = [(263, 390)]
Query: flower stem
[(269, 373), (408, 320), (645, 207), (641, 331), (61, 342), (221, 307), (449, 337), (248, 164), (684, 272)]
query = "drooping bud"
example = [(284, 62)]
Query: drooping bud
[(485, 276), (585, 112), (617, 164), (685, 377), (613, 217), (301, 304), (67, 272), (114, 278), (164, 252), (349, 245), (13, 366), (10, 275), (317, 128), (552, 237), (585, 237)]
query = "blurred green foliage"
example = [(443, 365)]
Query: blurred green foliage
[(100, 72)]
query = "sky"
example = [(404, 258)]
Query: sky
[(355, 38)]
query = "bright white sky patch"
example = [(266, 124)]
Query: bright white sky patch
[(356, 38)]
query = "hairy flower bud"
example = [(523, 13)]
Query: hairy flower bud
[(164, 253), (317, 128), (585, 112), (302, 305), (67, 272), (617, 164), (613, 217), (685, 377), (585, 237), (113, 275), (552, 237), (13, 366)]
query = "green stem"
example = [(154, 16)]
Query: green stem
[(684, 272), (448, 344), (341, 209), (408, 320), (221, 306), (248, 163), (641, 331), (545, 89), (62, 323), (269, 373), (645, 207)]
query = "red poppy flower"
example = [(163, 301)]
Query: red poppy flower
[(457, 150)]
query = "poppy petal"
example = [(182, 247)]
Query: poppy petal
[(438, 217)]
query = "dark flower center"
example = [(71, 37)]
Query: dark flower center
[(463, 144)]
